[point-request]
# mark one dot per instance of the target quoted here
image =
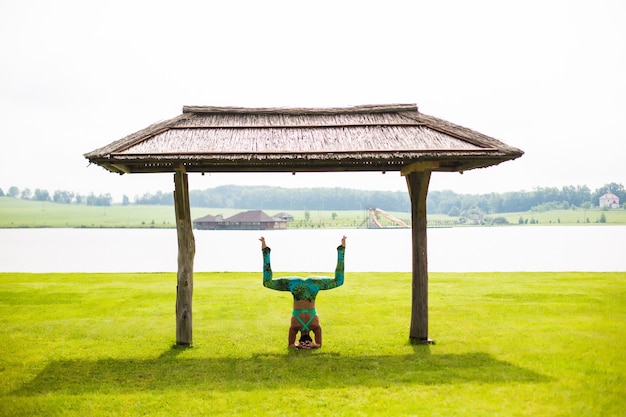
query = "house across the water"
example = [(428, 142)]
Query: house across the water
[(246, 220), (609, 200), (283, 216)]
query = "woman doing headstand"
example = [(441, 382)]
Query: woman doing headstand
[(304, 318)]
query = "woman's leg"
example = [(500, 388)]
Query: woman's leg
[(267, 269), (278, 284), (341, 250), (327, 283)]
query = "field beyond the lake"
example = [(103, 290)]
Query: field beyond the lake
[(514, 344), (18, 213)]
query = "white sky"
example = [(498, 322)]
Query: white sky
[(548, 77)]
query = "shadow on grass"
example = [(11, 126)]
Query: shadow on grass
[(305, 370)]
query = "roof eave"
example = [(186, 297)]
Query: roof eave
[(448, 161)]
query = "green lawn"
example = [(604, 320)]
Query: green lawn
[(511, 344)]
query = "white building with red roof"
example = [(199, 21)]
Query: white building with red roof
[(609, 200)]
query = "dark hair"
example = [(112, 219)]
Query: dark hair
[(305, 337)]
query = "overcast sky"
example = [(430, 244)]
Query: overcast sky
[(548, 77)]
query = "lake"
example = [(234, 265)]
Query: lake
[(459, 249)]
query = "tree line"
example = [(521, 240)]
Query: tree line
[(539, 199), (279, 198), (59, 196)]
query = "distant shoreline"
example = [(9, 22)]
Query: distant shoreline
[(17, 213)]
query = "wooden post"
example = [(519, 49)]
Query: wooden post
[(417, 182), (186, 253)]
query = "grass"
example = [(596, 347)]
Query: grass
[(515, 344), (16, 213), (576, 216), (24, 213)]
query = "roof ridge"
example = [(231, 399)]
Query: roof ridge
[(369, 108)]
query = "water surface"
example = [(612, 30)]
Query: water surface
[(460, 249)]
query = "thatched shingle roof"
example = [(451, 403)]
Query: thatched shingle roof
[(209, 218), (361, 138), (251, 216)]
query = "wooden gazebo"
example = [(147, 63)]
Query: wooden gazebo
[(362, 138)]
